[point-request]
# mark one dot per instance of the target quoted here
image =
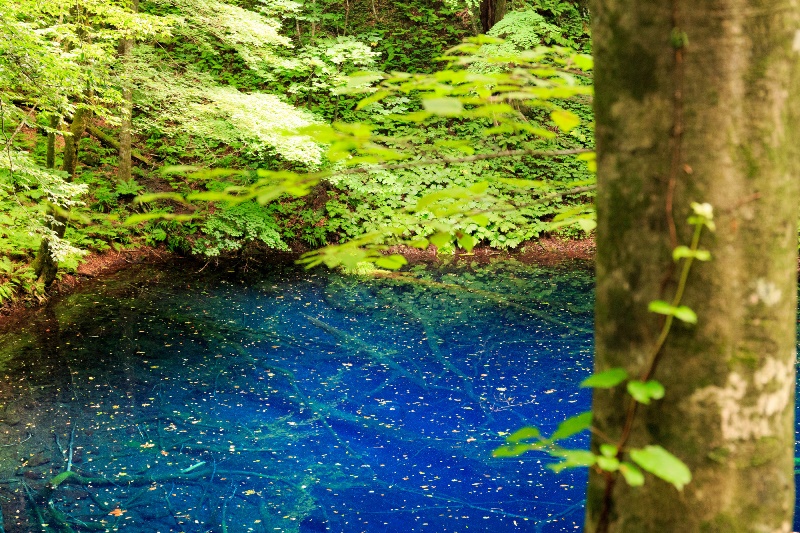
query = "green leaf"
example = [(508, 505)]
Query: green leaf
[(572, 425), (522, 183), (373, 98), (440, 239), (512, 450), (661, 307), (421, 243), (608, 450), (446, 106), (481, 220), (526, 433), (632, 474), (150, 197), (467, 242), (565, 120), (685, 314), (211, 196), (479, 188), (606, 380), (609, 464), (586, 224), (662, 464), (644, 392), (572, 459), (143, 217), (392, 262), (684, 252)]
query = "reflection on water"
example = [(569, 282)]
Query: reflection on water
[(295, 402)]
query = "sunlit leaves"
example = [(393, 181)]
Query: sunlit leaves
[(643, 392), (572, 459), (606, 380), (391, 262), (662, 464), (446, 106), (466, 241), (681, 312), (682, 252), (565, 120), (526, 433), (633, 476)]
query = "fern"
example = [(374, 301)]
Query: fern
[(230, 228)]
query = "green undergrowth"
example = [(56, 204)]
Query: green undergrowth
[(220, 88)]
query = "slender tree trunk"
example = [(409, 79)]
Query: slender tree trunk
[(713, 118), (126, 127), (45, 265), (51, 142), (491, 13), (72, 141)]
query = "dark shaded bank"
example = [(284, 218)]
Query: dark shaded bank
[(547, 251)]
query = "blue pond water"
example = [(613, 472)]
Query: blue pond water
[(297, 402), (289, 401)]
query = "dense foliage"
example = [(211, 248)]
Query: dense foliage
[(247, 93)]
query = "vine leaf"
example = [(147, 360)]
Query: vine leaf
[(682, 313), (572, 425), (572, 459), (606, 380), (684, 251), (632, 474), (526, 433), (644, 392), (685, 314), (662, 464)]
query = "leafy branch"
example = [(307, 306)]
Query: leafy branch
[(617, 458)]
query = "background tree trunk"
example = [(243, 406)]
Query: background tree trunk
[(51, 142), (126, 127), (491, 13), (72, 141), (45, 266), (716, 121)]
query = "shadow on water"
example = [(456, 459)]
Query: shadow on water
[(292, 401)]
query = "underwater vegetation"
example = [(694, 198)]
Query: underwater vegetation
[(294, 401)]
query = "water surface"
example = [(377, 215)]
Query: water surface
[(296, 402)]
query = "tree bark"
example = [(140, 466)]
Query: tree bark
[(51, 142), (72, 141), (126, 127), (44, 265), (491, 13), (713, 119), (110, 141)]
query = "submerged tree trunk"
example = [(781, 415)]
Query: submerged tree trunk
[(697, 102), (491, 13), (45, 265)]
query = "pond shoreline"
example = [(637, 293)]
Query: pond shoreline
[(547, 252)]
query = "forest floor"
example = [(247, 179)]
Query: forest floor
[(546, 251)]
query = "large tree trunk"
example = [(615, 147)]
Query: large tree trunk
[(713, 119), (491, 13)]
